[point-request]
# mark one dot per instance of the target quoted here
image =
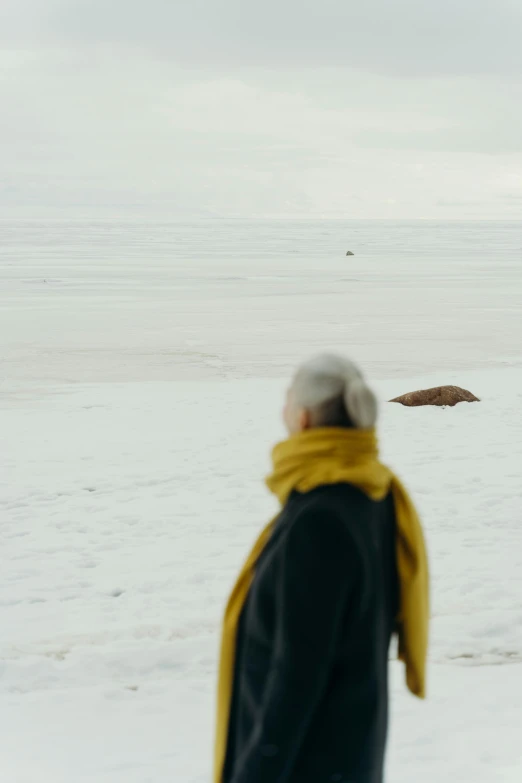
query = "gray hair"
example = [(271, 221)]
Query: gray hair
[(333, 390)]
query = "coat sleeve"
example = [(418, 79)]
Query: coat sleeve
[(318, 573)]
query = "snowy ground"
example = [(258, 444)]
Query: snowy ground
[(130, 491), (91, 302), (126, 511)]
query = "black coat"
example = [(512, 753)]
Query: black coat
[(310, 695)]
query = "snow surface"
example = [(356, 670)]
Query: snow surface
[(131, 491), (234, 299), (127, 510)]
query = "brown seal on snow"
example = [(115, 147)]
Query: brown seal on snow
[(440, 395)]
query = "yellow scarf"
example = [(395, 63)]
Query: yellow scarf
[(333, 456)]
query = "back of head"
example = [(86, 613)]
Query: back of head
[(333, 390)]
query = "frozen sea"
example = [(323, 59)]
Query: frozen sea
[(143, 367), (91, 302)]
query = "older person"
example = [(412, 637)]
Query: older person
[(303, 683)]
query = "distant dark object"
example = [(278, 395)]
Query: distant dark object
[(349, 253), (440, 395)]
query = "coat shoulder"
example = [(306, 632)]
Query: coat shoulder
[(338, 499), (343, 505)]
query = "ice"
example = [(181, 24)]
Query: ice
[(130, 498), (127, 512), (236, 299)]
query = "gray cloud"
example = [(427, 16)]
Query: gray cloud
[(410, 38), (377, 109)]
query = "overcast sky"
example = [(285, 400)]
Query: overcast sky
[(180, 108)]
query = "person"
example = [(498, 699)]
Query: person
[(303, 680)]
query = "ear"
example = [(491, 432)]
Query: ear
[(305, 420)]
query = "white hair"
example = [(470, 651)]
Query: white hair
[(334, 391)]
